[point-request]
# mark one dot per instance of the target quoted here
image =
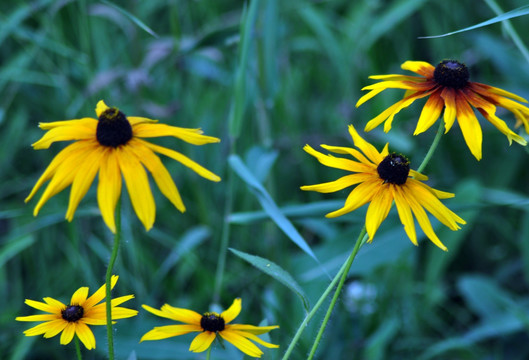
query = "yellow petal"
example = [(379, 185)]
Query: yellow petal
[(109, 188), (82, 129), (339, 184), (378, 210), (45, 327), (137, 185), (68, 333), (86, 122), (59, 306), (419, 67), (86, 335), (79, 297), (202, 341), (233, 311), (134, 120), (44, 307), (368, 96), (241, 343), (254, 338), (470, 127), (184, 160), (55, 327), (449, 97), (164, 332), (406, 218), (360, 196), (158, 171), (177, 314), (487, 90), (256, 330), (99, 294), (47, 317), (101, 107), (430, 113), (368, 149), (337, 163), (192, 136), (349, 151)]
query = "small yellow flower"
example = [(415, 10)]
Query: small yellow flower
[(209, 326), (112, 146), (382, 178), (447, 87), (74, 318)]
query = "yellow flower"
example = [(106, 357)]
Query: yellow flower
[(112, 146), (447, 86), (74, 318), (209, 326), (382, 178)]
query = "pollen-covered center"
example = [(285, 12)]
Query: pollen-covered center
[(212, 322), (72, 313), (451, 73), (113, 128), (394, 169)]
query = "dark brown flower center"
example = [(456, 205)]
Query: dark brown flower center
[(212, 322), (72, 313), (394, 169), (451, 73), (113, 128)]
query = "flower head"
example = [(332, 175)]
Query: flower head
[(209, 325), (112, 146), (382, 178), (448, 86), (74, 318)]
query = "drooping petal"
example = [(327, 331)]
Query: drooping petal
[(68, 333), (378, 210), (449, 97), (430, 113), (202, 341), (503, 128), (83, 129), (254, 338), (252, 329), (406, 218), (487, 90), (83, 179), (164, 332), (109, 188), (337, 185), (360, 196), (184, 160), (233, 311), (158, 171), (191, 136), (470, 127), (86, 335), (137, 186), (241, 343)]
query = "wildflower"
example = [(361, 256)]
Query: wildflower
[(112, 146), (382, 178), (209, 326), (447, 86), (74, 318)]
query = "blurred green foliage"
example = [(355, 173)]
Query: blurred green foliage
[(266, 82)]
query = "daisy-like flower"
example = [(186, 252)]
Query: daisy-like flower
[(112, 146), (209, 325), (382, 178), (448, 86), (74, 318)]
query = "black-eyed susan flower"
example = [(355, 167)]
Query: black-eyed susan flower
[(73, 319), (209, 325), (382, 178), (448, 87), (112, 146)]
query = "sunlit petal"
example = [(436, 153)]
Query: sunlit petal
[(202, 341)]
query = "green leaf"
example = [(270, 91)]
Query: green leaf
[(268, 204), (275, 271), (133, 18), (521, 11)]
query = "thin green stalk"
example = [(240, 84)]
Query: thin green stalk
[(337, 292), (342, 273), (433, 147), (113, 256), (208, 354), (77, 348)]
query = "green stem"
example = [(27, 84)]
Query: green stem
[(433, 147), (208, 354), (340, 276), (77, 348), (113, 256), (337, 292)]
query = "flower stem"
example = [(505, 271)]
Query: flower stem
[(359, 243), (208, 354), (433, 147), (77, 348), (113, 256), (340, 276)]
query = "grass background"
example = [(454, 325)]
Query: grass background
[(294, 82)]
